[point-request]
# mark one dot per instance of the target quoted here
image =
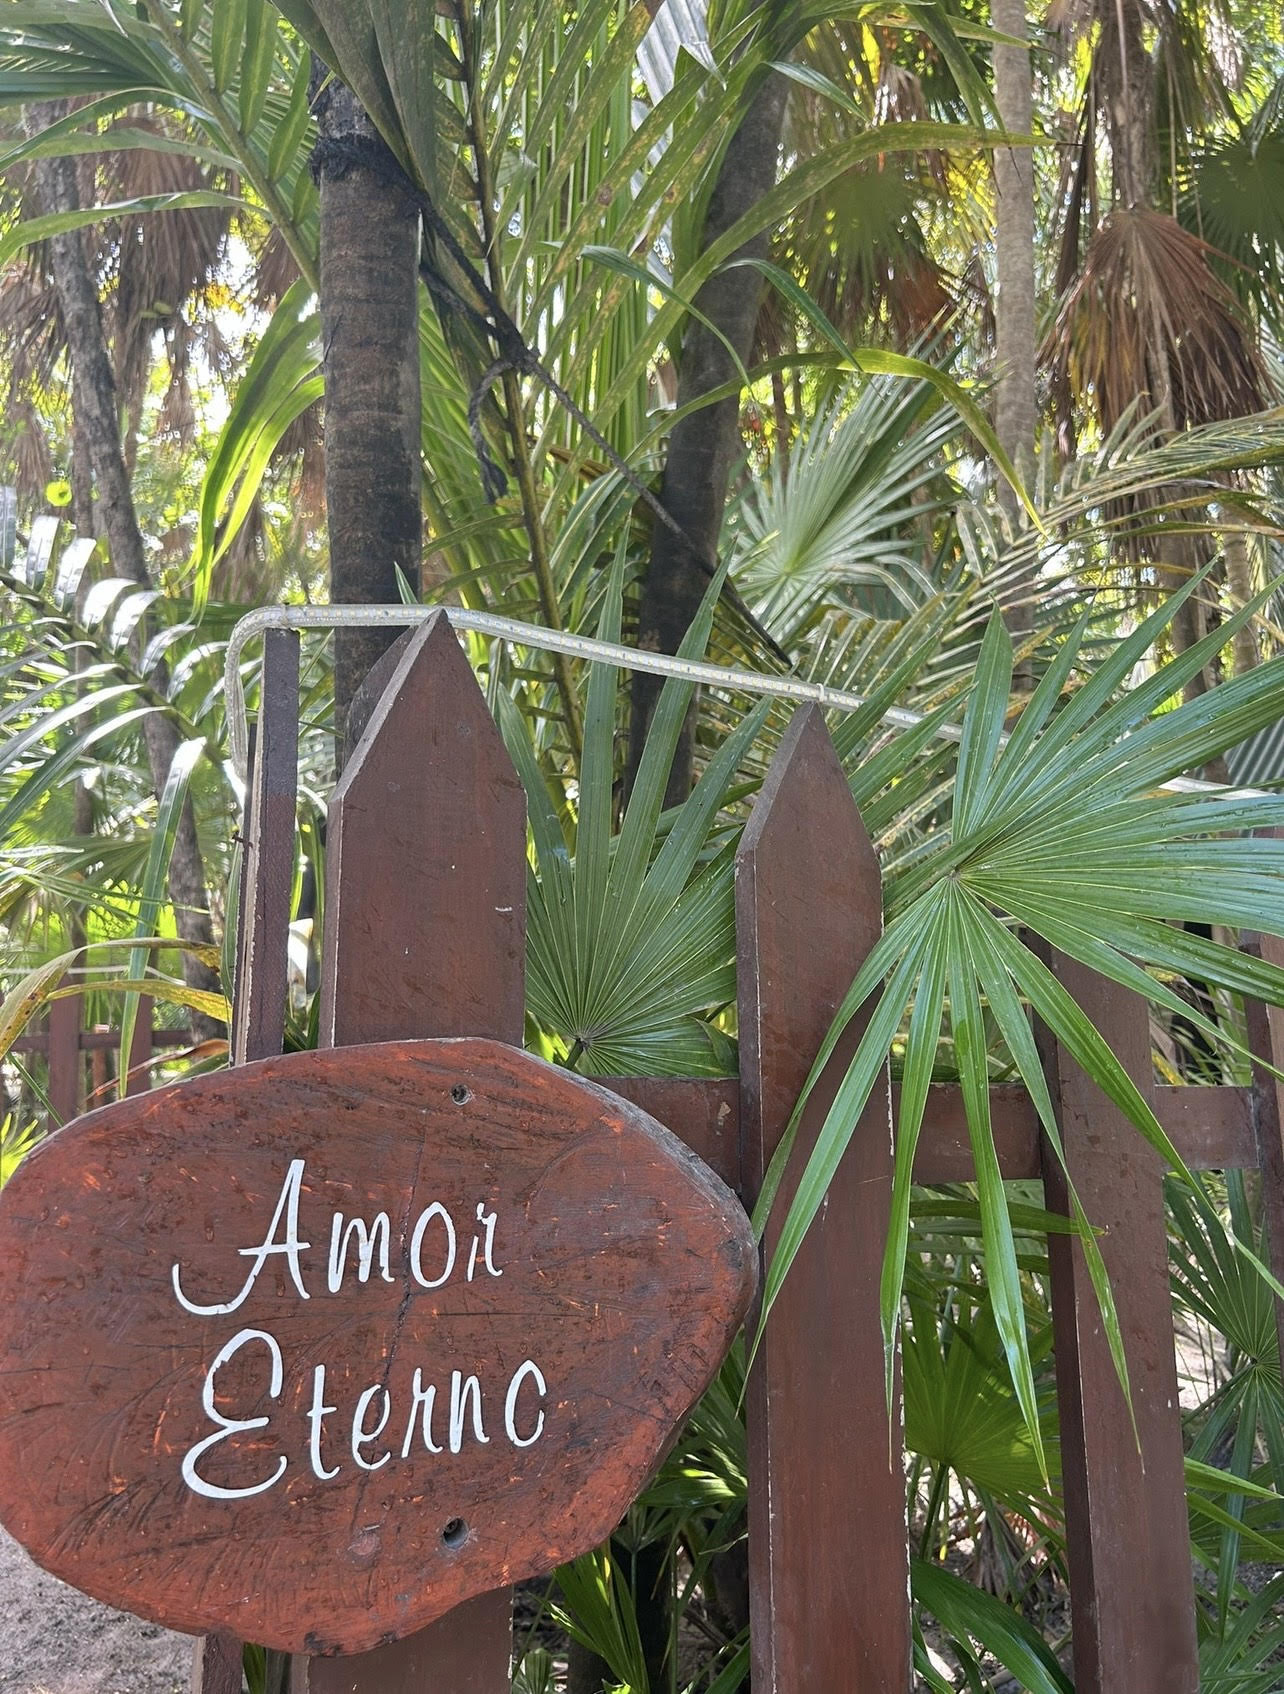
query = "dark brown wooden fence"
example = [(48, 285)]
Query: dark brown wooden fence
[(78, 1069), (424, 937)]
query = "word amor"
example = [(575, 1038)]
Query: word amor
[(433, 1256)]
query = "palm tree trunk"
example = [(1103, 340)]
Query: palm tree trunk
[(703, 446), (1130, 80), (94, 405), (1016, 346), (370, 337)]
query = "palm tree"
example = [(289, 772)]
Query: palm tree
[(369, 292), (95, 400), (1015, 329), (1144, 321), (553, 203)]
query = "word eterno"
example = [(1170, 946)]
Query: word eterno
[(370, 1419), (432, 1258)]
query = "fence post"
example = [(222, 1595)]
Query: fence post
[(424, 936), (138, 1075), (829, 1587), (267, 865), (258, 1017), (1266, 1038), (63, 1049), (1131, 1588)]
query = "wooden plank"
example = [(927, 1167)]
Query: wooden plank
[(1131, 1589), (262, 962), (323, 1346), (425, 935), (139, 1073), (447, 1658), (216, 1665), (944, 1152), (702, 1111), (258, 1023), (104, 1040), (65, 1087), (420, 855), (1211, 1127), (1266, 1038), (827, 1534)]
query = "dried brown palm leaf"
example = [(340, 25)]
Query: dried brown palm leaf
[(30, 460), (1149, 322), (31, 333), (177, 415), (275, 271), (864, 257), (863, 253), (160, 261), (1148, 328)]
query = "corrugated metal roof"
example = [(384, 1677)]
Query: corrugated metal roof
[(1259, 761), (678, 23)]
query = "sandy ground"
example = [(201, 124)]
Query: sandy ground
[(55, 1640)]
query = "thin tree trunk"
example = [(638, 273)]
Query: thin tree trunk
[(1016, 346), (1130, 75), (82, 481), (1239, 580), (370, 336), (703, 446), (94, 404), (586, 1673)]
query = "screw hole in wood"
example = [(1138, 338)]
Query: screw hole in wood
[(455, 1533), (461, 1094)]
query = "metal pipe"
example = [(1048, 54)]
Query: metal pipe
[(577, 647)]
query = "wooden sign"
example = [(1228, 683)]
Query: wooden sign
[(317, 1348)]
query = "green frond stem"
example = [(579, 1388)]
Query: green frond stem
[(238, 143), (532, 515)]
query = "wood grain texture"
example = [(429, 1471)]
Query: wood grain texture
[(139, 1068), (262, 962), (216, 1665), (542, 1237), (426, 863), (944, 1151), (702, 1111), (1131, 1589), (262, 966), (1213, 1128), (827, 1534), (466, 1649), (63, 1046)]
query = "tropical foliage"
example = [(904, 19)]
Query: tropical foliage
[(1044, 671)]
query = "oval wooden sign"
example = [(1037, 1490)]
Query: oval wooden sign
[(317, 1348)]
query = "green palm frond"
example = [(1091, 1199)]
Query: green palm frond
[(1062, 828), (839, 518), (970, 1615), (631, 935)]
